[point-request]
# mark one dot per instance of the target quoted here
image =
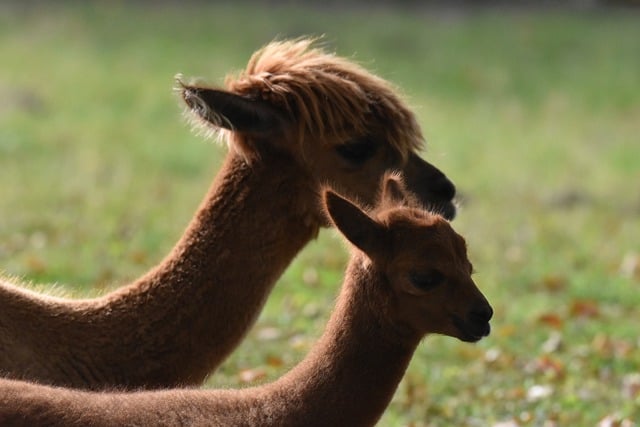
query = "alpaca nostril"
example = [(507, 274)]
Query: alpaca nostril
[(482, 314)]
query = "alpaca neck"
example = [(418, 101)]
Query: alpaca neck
[(351, 374), (214, 283)]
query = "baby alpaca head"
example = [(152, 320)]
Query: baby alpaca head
[(421, 262)]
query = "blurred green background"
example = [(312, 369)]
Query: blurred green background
[(534, 114)]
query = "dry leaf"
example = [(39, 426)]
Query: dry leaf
[(613, 420), (499, 360), (310, 276), (631, 385), (554, 283), (274, 361), (547, 365), (551, 319), (606, 346), (269, 334), (251, 375), (35, 264), (506, 331), (516, 393), (584, 308), (138, 257), (553, 343), (538, 392), (299, 342), (492, 355), (630, 266)]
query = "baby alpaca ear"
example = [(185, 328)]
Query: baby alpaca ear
[(394, 193), (230, 111), (358, 227)]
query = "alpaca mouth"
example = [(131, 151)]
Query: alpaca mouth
[(449, 210), (446, 208), (471, 332)]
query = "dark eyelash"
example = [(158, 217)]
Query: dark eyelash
[(428, 280), (357, 152)]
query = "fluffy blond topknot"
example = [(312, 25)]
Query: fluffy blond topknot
[(329, 96)]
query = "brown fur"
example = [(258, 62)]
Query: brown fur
[(287, 118), (349, 376)]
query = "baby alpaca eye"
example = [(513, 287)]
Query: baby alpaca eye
[(426, 280)]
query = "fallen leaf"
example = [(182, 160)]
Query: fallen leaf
[(516, 394), (469, 352), (631, 385), (551, 319), (584, 308), (492, 355), (607, 347), (554, 283), (630, 266), (38, 240), (35, 264), (138, 257), (251, 375), (547, 365), (310, 276), (415, 391), (506, 331), (269, 334), (553, 343), (514, 254), (300, 342), (274, 361), (538, 392), (498, 359), (613, 420), (525, 417)]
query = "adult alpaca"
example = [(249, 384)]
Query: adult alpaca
[(295, 118), (408, 276)]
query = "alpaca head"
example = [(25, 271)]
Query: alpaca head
[(341, 124), (425, 281)]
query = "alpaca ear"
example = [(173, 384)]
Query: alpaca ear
[(358, 227), (230, 111)]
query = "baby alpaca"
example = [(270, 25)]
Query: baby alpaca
[(408, 276)]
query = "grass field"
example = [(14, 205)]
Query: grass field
[(535, 116)]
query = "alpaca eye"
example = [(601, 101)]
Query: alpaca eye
[(357, 152), (427, 280)]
